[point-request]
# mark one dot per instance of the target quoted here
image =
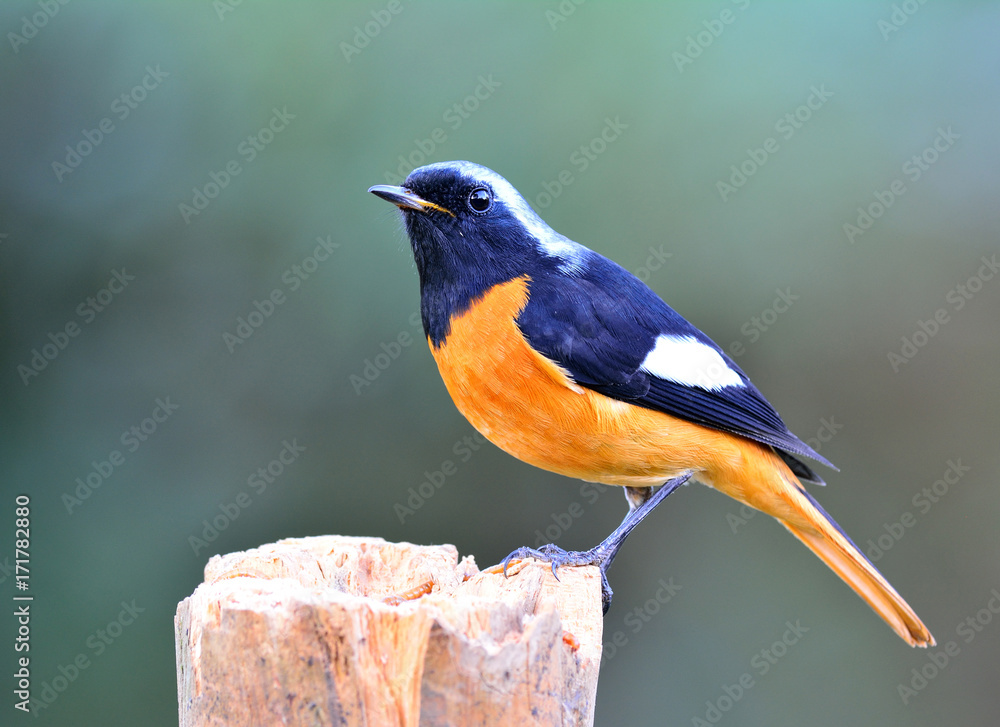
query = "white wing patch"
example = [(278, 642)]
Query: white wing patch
[(688, 361)]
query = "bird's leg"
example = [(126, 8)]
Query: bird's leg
[(641, 503), (636, 496)]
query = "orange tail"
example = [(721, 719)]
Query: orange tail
[(808, 521), (847, 561)]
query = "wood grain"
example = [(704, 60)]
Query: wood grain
[(298, 632)]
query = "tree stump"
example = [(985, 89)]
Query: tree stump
[(312, 631)]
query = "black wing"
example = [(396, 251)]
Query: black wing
[(600, 323)]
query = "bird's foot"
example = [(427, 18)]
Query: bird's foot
[(603, 554), (556, 557)]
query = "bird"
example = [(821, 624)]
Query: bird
[(567, 361)]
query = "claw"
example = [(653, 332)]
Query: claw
[(606, 593), (552, 567), (517, 554), (556, 557)]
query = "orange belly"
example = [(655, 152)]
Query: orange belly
[(527, 405)]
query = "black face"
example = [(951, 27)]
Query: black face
[(467, 230), (466, 235), (450, 190)]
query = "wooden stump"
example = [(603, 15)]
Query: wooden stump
[(298, 633)]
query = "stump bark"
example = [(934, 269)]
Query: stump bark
[(299, 632)]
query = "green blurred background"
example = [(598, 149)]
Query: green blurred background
[(694, 88)]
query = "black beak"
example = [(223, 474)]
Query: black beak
[(405, 199)]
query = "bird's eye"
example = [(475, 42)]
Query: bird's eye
[(480, 200)]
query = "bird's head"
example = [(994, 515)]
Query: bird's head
[(466, 222)]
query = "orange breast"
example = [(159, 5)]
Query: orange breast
[(527, 405)]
